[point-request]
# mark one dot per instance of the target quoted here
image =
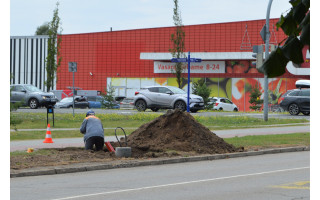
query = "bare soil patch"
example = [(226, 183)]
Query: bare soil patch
[(175, 133)]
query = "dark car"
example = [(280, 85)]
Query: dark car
[(31, 96), (296, 101), (96, 102), (79, 102)]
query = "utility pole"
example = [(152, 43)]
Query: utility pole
[(266, 95)]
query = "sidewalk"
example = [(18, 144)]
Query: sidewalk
[(23, 145)]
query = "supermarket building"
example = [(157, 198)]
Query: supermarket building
[(131, 59)]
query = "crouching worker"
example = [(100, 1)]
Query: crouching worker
[(93, 131)]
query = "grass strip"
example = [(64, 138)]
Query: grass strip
[(39, 120), (271, 141)]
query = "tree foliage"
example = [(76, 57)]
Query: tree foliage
[(43, 29), (108, 97), (255, 101), (200, 88), (296, 25), (53, 49), (178, 42)]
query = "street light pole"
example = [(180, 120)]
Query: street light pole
[(266, 95)]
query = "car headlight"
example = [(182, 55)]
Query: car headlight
[(44, 97)]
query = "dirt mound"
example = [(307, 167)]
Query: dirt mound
[(178, 131)]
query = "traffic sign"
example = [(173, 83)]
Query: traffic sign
[(263, 33), (179, 60), (195, 60), (72, 67), (185, 60)]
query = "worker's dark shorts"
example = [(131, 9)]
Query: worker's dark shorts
[(94, 140)]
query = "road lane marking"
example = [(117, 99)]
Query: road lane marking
[(302, 185), (181, 183)]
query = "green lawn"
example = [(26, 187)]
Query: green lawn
[(266, 141), (128, 122)]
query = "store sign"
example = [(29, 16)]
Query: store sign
[(206, 67)]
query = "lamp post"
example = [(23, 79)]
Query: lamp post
[(266, 95)]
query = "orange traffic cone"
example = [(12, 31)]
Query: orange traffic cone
[(48, 136)]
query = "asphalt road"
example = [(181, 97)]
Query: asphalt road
[(274, 176), (133, 111)]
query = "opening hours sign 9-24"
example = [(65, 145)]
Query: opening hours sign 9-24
[(201, 67)]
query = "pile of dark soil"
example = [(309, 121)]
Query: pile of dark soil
[(177, 131)]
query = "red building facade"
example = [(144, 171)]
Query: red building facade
[(106, 56)]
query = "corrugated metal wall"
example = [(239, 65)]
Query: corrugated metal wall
[(28, 60), (116, 54)]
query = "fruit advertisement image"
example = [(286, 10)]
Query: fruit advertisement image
[(241, 90), (242, 66), (220, 87)]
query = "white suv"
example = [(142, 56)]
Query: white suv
[(221, 103), (167, 97)]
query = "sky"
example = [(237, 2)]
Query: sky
[(83, 16)]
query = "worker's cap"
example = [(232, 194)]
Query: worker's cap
[(90, 112)]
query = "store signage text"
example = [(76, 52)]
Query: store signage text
[(202, 67)]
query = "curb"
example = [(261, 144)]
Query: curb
[(82, 167)]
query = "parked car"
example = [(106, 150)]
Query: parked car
[(127, 103), (296, 101), (67, 102), (96, 102), (222, 103), (31, 96), (167, 97)]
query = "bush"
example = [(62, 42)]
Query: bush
[(200, 88)]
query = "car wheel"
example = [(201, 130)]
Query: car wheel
[(235, 109), (141, 105), (33, 103), (180, 105), (306, 113), (294, 109), (194, 111), (220, 109), (154, 109), (69, 106)]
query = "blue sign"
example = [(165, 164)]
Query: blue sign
[(185, 60), (195, 60), (179, 60)]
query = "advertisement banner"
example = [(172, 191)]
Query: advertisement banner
[(205, 67)]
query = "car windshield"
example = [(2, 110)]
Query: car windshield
[(32, 88), (67, 99), (176, 90)]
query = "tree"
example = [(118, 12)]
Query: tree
[(200, 88), (108, 97), (53, 49), (178, 43), (255, 100), (296, 25), (43, 29)]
